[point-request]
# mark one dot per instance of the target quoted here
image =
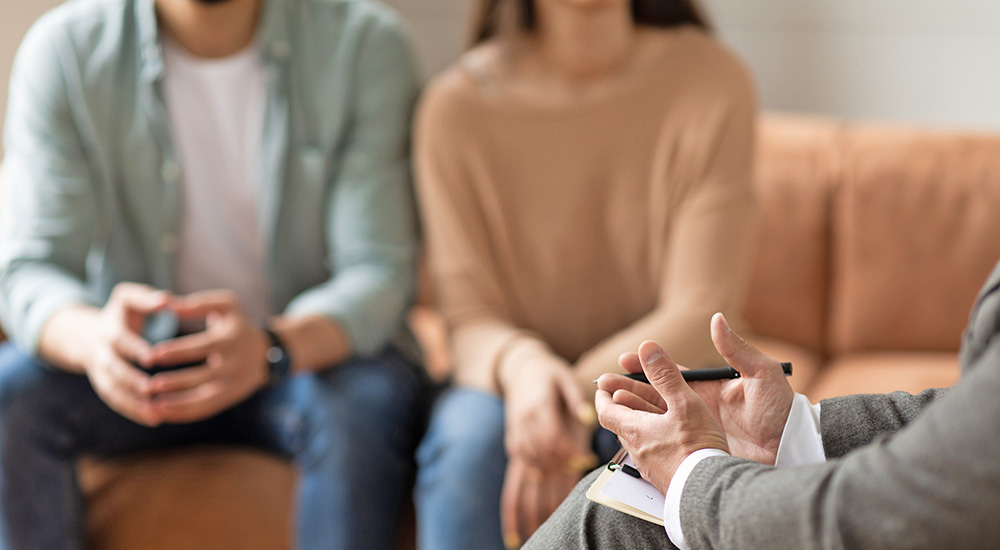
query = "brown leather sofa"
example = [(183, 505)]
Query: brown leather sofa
[(874, 243)]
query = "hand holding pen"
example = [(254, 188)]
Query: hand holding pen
[(752, 408)]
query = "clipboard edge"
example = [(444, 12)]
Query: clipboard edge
[(594, 494)]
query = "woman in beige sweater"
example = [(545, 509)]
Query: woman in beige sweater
[(585, 183)]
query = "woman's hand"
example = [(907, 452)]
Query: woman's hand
[(541, 400), (529, 497), (548, 447)]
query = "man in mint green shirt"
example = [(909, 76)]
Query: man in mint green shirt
[(208, 235)]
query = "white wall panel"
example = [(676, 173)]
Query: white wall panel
[(939, 80), (923, 62), (885, 16), (439, 40)]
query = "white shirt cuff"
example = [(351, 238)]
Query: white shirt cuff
[(672, 502), (801, 442)]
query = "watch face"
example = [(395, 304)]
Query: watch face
[(274, 354), (279, 364)]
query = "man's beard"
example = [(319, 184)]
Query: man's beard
[(211, 1)]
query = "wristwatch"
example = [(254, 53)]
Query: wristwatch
[(279, 363)]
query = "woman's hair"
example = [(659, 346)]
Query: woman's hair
[(651, 13)]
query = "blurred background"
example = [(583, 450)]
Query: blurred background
[(931, 62)]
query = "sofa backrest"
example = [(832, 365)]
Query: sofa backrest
[(796, 168), (874, 238), (916, 231)]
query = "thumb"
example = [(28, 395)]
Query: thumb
[(750, 361), (662, 372)]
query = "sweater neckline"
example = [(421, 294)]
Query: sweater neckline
[(484, 88)]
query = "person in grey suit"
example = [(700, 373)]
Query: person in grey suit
[(901, 470)]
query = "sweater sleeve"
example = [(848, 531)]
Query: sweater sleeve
[(462, 265), (707, 261)]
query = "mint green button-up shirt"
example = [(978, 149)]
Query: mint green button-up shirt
[(91, 178)]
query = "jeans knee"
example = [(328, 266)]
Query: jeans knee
[(373, 386), (366, 408), (22, 382), (466, 430)]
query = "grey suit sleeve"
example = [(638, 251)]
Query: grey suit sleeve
[(847, 423), (935, 484)]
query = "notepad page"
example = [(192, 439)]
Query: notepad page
[(635, 492)]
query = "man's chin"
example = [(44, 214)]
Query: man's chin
[(210, 2)]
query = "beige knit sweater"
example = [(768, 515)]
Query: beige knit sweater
[(583, 229)]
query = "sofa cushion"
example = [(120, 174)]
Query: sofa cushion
[(796, 165), (885, 372), (916, 230), (196, 497)]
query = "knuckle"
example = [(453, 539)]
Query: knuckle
[(660, 377)]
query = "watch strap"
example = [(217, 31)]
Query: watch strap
[(279, 363)]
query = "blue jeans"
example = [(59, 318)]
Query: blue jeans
[(351, 430), (461, 464)]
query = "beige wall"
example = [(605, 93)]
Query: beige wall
[(438, 28), (921, 61), (925, 61), (15, 18)]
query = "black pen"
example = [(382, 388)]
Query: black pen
[(631, 471), (724, 373)]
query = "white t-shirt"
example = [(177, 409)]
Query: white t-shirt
[(216, 109)]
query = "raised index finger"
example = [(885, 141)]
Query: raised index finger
[(662, 372)]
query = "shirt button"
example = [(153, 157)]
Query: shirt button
[(151, 52), (169, 243), (170, 171)]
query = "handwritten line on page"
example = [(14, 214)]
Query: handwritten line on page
[(635, 492)]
